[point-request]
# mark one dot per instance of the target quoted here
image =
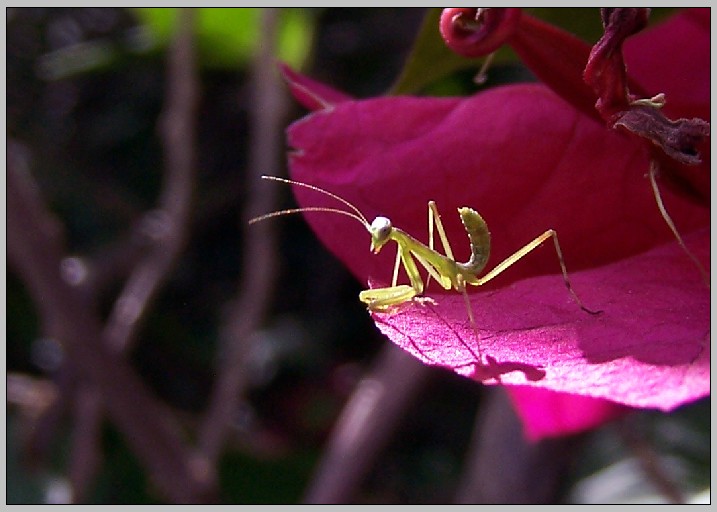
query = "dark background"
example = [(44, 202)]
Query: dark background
[(90, 140)]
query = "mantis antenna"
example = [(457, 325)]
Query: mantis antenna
[(358, 216)]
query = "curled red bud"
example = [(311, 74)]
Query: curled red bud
[(477, 32)]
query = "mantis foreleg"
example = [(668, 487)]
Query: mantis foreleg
[(434, 219), (382, 299), (396, 266)]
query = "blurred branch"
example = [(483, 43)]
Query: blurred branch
[(86, 451), (35, 251), (112, 263), (147, 253), (45, 231), (166, 226), (649, 461), (91, 279), (366, 424), (32, 395), (180, 475), (246, 312), (44, 425), (503, 467)]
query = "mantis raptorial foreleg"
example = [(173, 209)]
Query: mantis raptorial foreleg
[(434, 219), (382, 299)]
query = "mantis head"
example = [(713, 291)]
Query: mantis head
[(380, 230)]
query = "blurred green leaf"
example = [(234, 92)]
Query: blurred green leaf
[(280, 480), (23, 487), (430, 59), (122, 479), (227, 37), (584, 22)]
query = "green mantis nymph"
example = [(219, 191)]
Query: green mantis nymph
[(449, 273)]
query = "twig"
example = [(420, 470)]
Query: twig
[(35, 251), (86, 452), (128, 257), (167, 225), (30, 394), (260, 246), (503, 467), (40, 436), (366, 423), (649, 462)]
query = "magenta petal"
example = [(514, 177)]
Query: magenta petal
[(545, 413), (527, 161), (311, 94), (649, 348), (680, 44), (519, 155)]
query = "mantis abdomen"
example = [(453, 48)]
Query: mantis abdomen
[(480, 240)]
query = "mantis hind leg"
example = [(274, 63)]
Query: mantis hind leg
[(471, 319), (435, 218), (530, 246), (671, 224)]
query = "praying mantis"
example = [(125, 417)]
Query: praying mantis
[(443, 268)]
